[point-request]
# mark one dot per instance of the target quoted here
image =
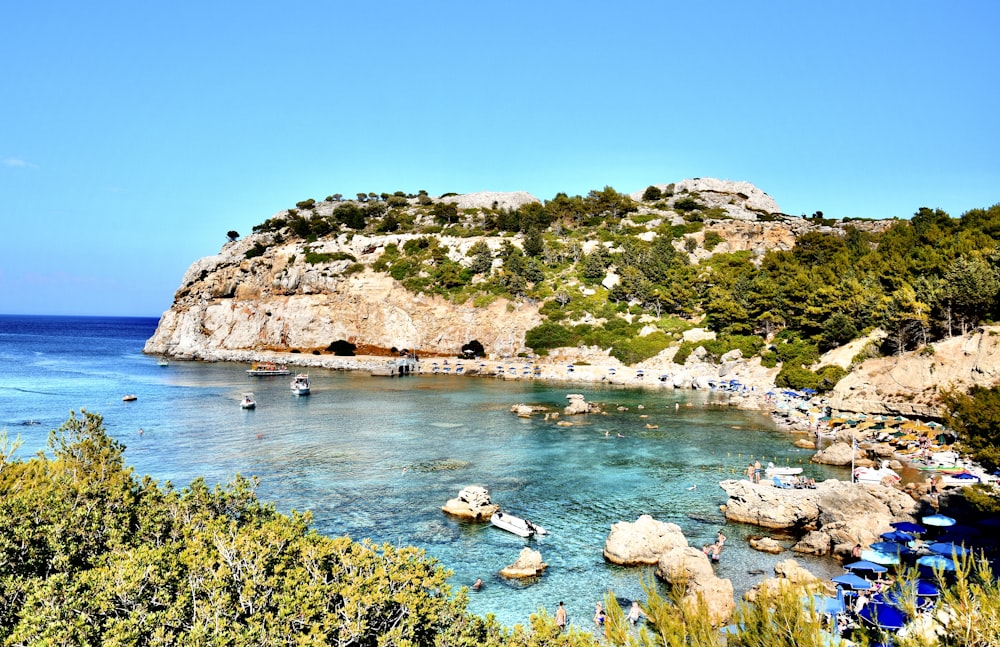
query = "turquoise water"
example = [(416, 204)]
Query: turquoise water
[(378, 457)]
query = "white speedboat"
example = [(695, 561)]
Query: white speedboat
[(774, 470), (248, 402), (884, 475), (516, 525), (300, 385)]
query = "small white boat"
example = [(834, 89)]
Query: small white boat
[(248, 402), (516, 525), (773, 470), (129, 397), (884, 475), (300, 385), (163, 362)]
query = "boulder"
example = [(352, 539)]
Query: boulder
[(526, 410), (788, 574), (805, 443), (473, 502), (578, 405), (766, 545), (690, 568), (642, 542), (845, 512), (816, 542), (528, 564), (836, 454)]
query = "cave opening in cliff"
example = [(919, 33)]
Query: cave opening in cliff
[(473, 349), (342, 348)]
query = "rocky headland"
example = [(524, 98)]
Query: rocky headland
[(259, 299)]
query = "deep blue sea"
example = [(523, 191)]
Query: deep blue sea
[(377, 457)]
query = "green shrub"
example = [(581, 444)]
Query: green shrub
[(257, 250), (548, 335), (637, 349), (712, 239)]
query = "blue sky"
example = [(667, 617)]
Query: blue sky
[(133, 135)]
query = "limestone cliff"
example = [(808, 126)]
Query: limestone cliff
[(277, 302), (909, 384)]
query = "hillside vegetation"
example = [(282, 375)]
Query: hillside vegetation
[(630, 273)]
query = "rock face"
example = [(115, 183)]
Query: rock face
[(279, 302), (472, 503), (642, 543), (843, 512), (690, 567), (529, 564), (908, 384)]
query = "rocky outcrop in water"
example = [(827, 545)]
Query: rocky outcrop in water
[(528, 564), (641, 543), (473, 503), (842, 513)]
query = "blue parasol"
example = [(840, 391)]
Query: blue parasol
[(898, 536), (878, 557), (866, 565), (908, 526), (947, 549), (882, 615), (852, 581), (936, 562), (824, 604), (888, 547), (939, 520)]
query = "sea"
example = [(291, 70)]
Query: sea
[(377, 457)]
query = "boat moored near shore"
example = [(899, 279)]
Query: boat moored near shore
[(300, 385)]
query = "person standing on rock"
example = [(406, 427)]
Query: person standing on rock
[(750, 472), (561, 617), (756, 471)]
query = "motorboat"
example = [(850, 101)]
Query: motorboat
[(163, 362), (264, 369), (774, 470), (129, 397), (248, 402), (516, 525), (300, 385), (884, 475)]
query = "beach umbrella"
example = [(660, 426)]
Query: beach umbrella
[(852, 581), (908, 526), (936, 562), (939, 520), (865, 565), (947, 549), (888, 547), (897, 536), (883, 616), (878, 557), (824, 604)]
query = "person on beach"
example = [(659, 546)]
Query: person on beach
[(750, 472), (561, 616), (756, 471)]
